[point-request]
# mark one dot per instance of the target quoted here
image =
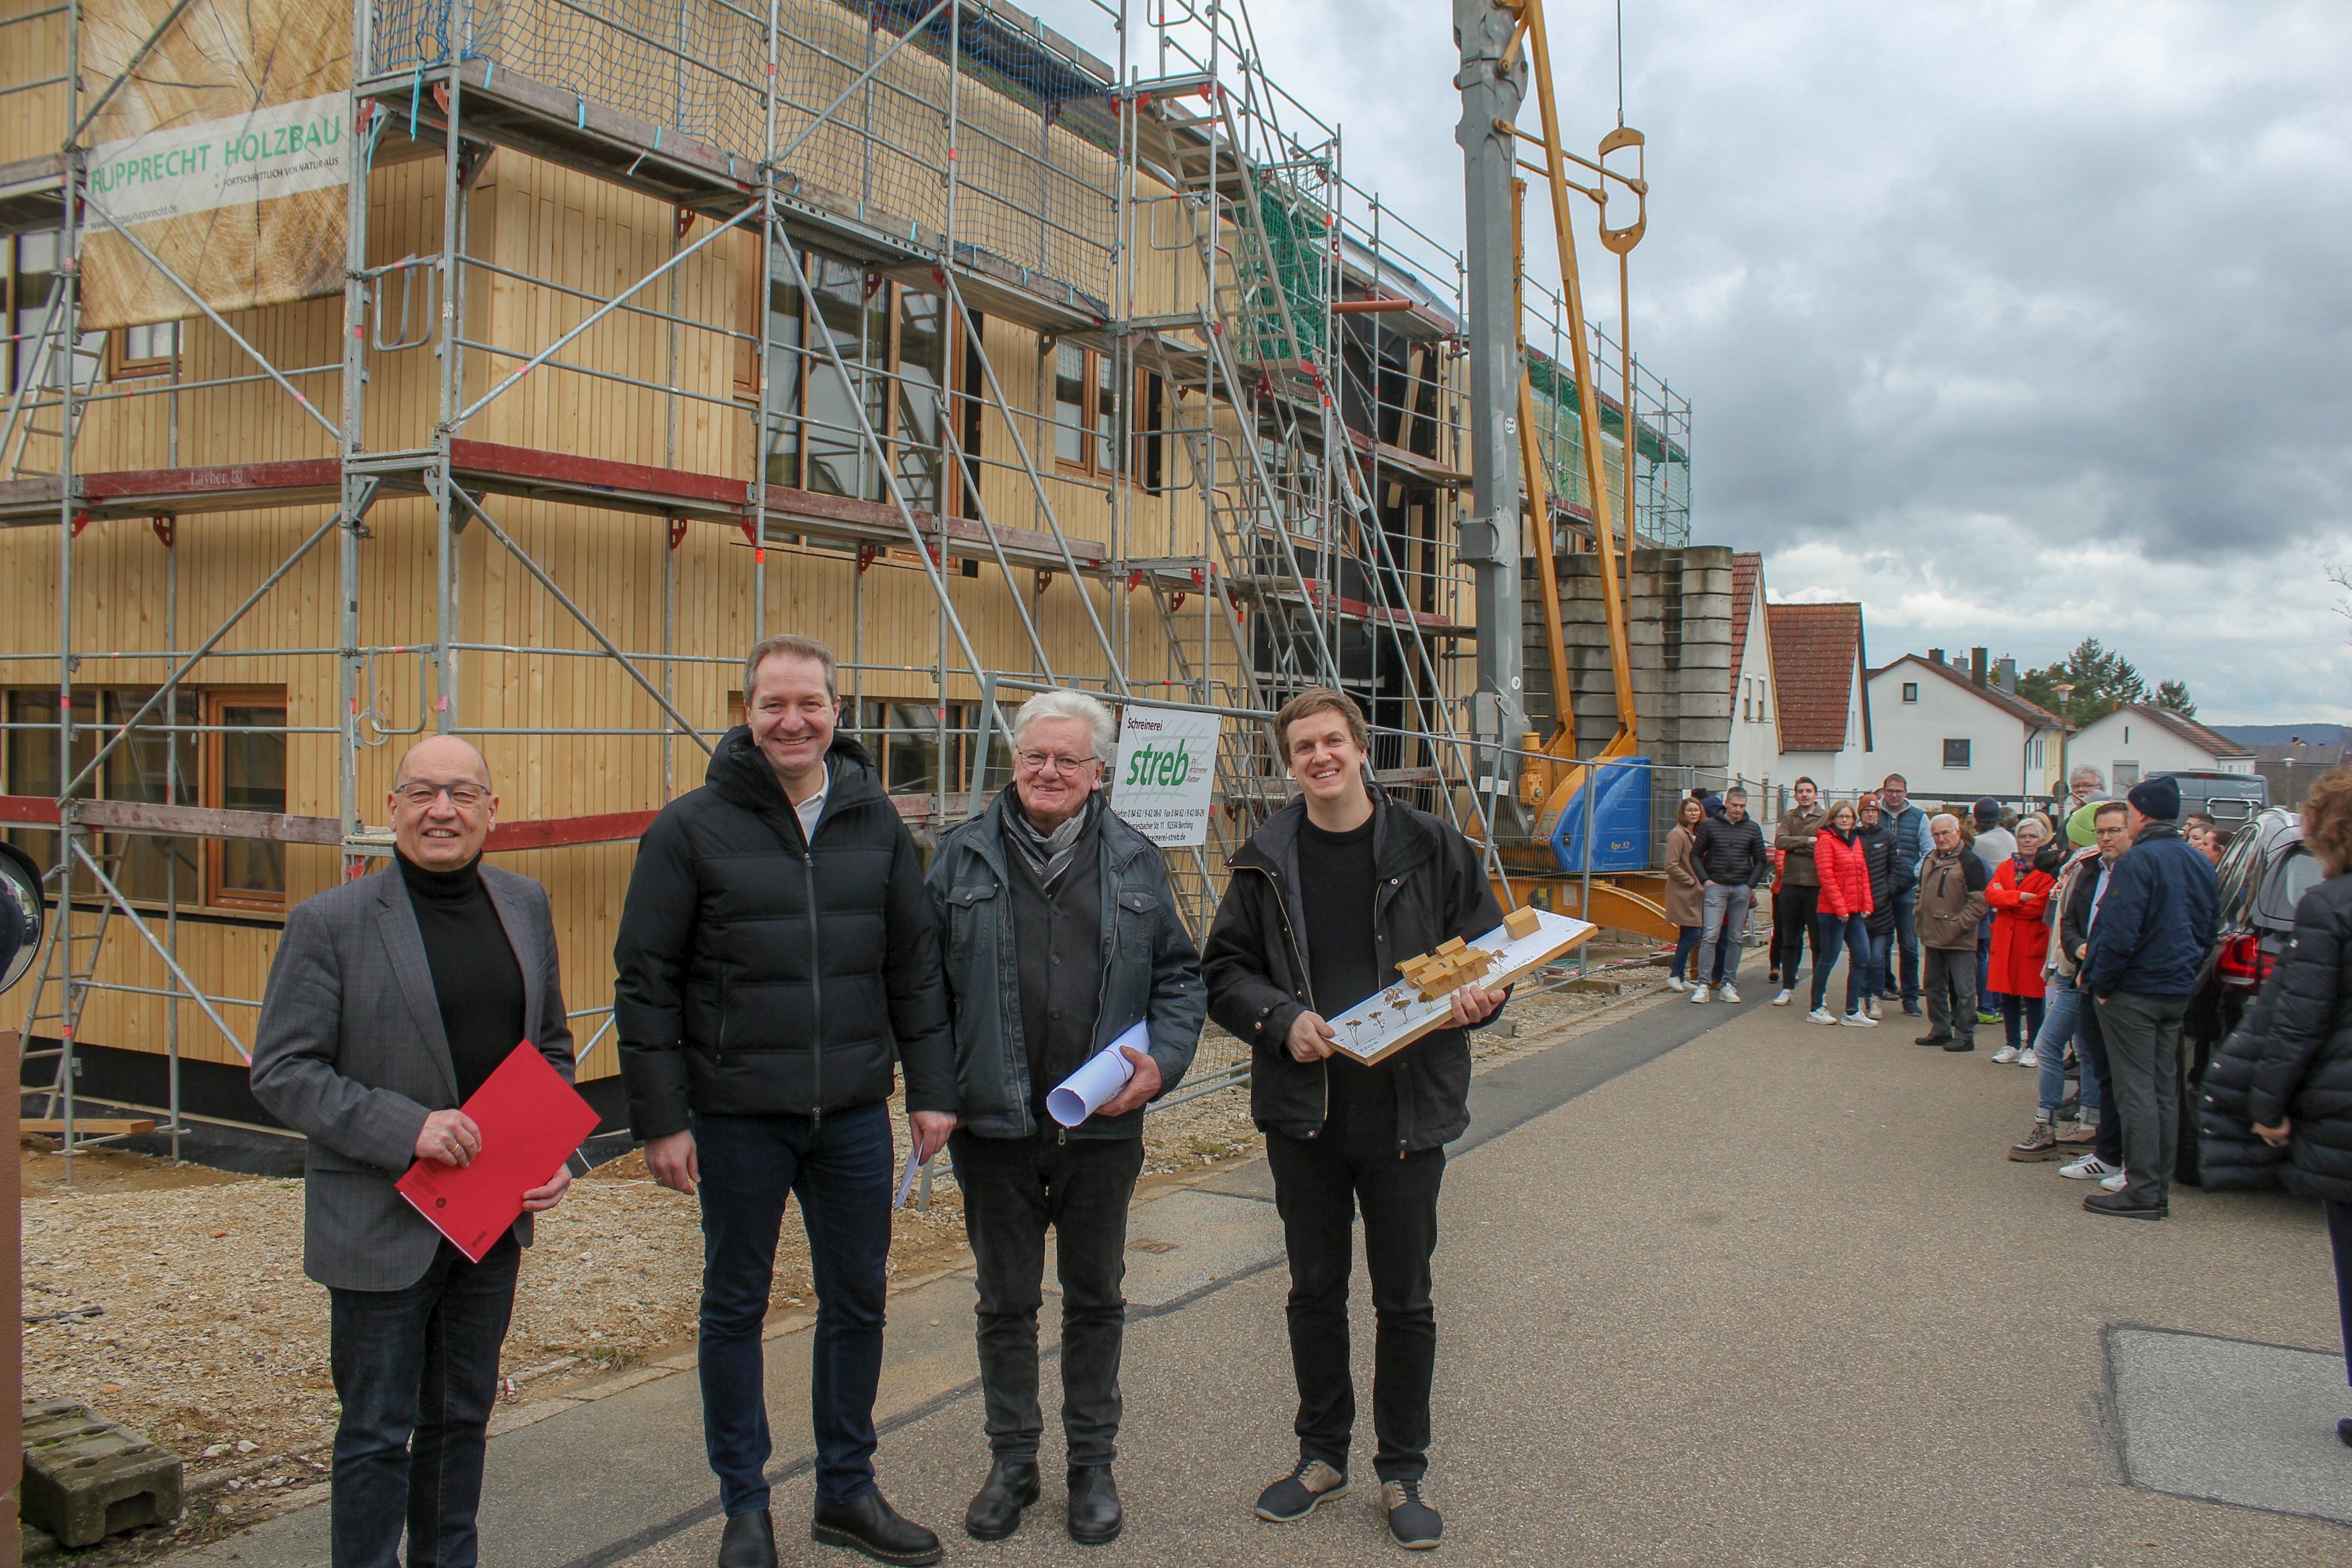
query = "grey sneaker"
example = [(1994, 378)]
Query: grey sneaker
[(1726, 992), (1300, 1493), (2040, 1143), (1412, 1523), (2080, 1135)]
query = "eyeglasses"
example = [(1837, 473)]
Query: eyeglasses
[(1038, 762), (421, 795)]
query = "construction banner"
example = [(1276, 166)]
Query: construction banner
[(226, 153), (1160, 784)]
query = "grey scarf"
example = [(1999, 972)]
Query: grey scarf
[(1049, 855)]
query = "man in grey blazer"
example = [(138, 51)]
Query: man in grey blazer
[(391, 1000)]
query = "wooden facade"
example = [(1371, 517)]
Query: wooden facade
[(544, 241)]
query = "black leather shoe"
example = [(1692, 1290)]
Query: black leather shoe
[(2125, 1207), (995, 1510), (1933, 1039), (749, 1542), (1095, 1516), (868, 1523), (1960, 1045)]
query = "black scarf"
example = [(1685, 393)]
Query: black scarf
[(1049, 855)]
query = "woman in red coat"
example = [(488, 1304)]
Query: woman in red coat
[(1845, 900), (2020, 942)]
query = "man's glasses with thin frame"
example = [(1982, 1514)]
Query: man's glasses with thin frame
[(1068, 767), (421, 795)]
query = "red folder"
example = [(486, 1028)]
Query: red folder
[(532, 1121)]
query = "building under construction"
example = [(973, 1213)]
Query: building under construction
[(506, 368)]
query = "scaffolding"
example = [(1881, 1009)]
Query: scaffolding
[(1267, 417)]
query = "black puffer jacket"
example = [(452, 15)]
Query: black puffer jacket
[(1879, 852), (761, 973), (1432, 887), (2230, 1156), (1732, 852), (2305, 1068)]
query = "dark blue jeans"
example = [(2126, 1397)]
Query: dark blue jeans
[(1882, 950), (1686, 944), (1849, 932), (2339, 1242), (416, 1371), (1906, 935), (840, 1168), (2021, 1018)]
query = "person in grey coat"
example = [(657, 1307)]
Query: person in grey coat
[(389, 1001), (1050, 874)]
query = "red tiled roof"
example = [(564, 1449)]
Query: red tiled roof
[(2212, 742), (1747, 566), (1816, 649), (2017, 707)]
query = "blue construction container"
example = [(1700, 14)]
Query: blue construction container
[(1620, 819)]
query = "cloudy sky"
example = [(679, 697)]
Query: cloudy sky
[(2018, 322)]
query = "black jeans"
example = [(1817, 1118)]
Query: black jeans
[(1793, 914), (840, 1168), (1949, 986), (2339, 1242), (416, 1371), (1907, 938), (1318, 1183), (1012, 1189)]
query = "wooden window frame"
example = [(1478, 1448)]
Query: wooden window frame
[(1096, 441), (212, 793), (122, 367)]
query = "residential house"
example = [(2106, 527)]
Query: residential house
[(1822, 685), (1754, 707), (1960, 734), (2140, 738)]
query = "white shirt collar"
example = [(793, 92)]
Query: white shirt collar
[(809, 810)]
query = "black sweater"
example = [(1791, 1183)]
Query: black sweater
[(474, 976)]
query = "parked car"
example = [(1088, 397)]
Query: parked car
[(2265, 870), (2231, 800)]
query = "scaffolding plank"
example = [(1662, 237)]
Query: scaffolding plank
[(558, 832), (880, 522), (32, 197), (1424, 470), (89, 1126), (597, 481), (208, 822)]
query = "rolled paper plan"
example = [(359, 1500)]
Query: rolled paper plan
[(1095, 1084)]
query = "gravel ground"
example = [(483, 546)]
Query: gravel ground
[(173, 1300)]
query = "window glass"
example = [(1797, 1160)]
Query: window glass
[(150, 766), (838, 463), (1955, 754), (2124, 775), (911, 750), (32, 753), (155, 343), (251, 778), (922, 371), (785, 374), (1910, 691), (1069, 404), (34, 272), (1106, 415), (2298, 874)]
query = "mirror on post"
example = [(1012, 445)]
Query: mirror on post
[(21, 914)]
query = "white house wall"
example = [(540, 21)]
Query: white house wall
[(1910, 738), (2137, 738)]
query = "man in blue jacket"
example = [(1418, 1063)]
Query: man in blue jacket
[(2149, 937), (1913, 844)]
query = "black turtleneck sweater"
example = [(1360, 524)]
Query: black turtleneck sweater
[(476, 978)]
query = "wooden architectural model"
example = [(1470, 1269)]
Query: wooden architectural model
[(1452, 965)]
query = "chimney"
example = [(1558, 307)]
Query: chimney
[(2009, 677), (1977, 660), (1935, 655)]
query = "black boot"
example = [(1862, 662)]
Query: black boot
[(1095, 1516), (749, 1542), (866, 1523), (995, 1510)]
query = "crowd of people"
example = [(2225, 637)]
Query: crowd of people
[(2080, 930)]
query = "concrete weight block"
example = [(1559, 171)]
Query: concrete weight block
[(86, 1478)]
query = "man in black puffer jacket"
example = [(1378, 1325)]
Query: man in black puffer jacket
[(2305, 1068), (1732, 864), (778, 959)]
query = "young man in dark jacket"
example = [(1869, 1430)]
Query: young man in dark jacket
[(1793, 913), (1732, 864), (1326, 898), (1912, 846), (1881, 850), (2154, 927), (1061, 934), (777, 961)]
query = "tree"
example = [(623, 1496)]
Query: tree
[(2173, 697), (2102, 682)]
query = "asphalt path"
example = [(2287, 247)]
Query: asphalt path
[(1715, 1286)]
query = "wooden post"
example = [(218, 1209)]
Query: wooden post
[(12, 1362)]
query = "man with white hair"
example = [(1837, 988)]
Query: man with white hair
[(2085, 784), (1061, 935), (1951, 906)]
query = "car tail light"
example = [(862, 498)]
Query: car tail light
[(2241, 965)]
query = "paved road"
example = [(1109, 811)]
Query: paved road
[(1768, 1295)]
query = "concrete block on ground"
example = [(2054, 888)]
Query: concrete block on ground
[(86, 1478), (2230, 1421)]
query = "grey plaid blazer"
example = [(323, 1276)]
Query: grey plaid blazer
[(351, 1054)]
